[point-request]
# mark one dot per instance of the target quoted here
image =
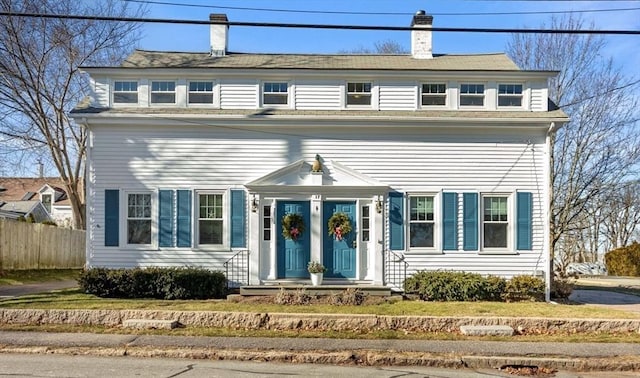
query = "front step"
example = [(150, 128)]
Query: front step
[(322, 290)]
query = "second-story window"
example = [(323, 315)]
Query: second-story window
[(125, 92), (163, 92), (358, 93), (472, 95), (434, 94), (275, 94), (200, 92), (510, 95)]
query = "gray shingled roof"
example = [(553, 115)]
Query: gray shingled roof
[(266, 113), (163, 59)]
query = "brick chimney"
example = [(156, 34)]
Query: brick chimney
[(219, 34), (421, 40)]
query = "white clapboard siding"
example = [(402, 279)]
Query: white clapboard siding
[(425, 160), (239, 95), (100, 92), (397, 96), (539, 94), (318, 95)]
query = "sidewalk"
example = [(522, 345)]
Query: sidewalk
[(449, 354)]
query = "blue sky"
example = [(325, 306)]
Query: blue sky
[(623, 49)]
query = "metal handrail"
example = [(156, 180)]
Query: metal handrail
[(395, 270), (237, 270)]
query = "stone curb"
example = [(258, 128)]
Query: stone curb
[(361, 357), (319, 322)]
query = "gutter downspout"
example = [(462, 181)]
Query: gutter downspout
[(548, 188)]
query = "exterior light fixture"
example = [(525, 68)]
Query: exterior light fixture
[(254, 204), (379, 204)]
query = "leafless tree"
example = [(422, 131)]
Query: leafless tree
[(40, 78), (621, 215), (386, 47), (599, 148)]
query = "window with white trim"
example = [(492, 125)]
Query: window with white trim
[(495, 221), (421, 222), (200, 92), (125, 92), (139, 218), (210, 219), (510, 95), (434, 94), (366, 223), (46, 202), (266, 223), (275, 93), (471, 94), (163, 92), (358, 93)]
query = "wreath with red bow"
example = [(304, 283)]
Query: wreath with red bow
[(339, 225), (292, 226)]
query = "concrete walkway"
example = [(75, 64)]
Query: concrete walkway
[(9, 291), (607, 299)]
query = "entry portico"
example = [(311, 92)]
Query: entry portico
[(316, 195)]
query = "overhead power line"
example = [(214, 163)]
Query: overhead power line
[(318, 26), (403, 14)]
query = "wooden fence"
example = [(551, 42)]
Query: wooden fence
[(38, 246)]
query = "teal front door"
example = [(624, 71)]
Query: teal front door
[(339, 256), (293, 255)]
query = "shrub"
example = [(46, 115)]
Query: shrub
[(348, 297), (561, 288), (524, 288), (50, 223), (298, 297), (158, 283), (624, 261), (454, 286)]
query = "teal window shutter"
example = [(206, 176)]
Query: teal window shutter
[(470, 221), (183, 234), (165, 221), (111, 217), (396, 221), (449, 221), (238, 219), (524, 219)]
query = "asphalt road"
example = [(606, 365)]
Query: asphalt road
[(39, 365)]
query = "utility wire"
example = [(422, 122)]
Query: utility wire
[(403, 14), (631, 84), (318, 26)]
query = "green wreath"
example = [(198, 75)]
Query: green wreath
[(339, 225), (292, 226)]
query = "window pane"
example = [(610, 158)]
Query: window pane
[(431, 100), (471, 101), (359, 99), (125, 98), (163, 98), (509, 101), (210, 231), (495, 235), (200, 98), (139, 231), (421, 235), (275, 99)]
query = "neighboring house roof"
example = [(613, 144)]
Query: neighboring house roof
[(448, 62), (27, 188), (15, 209)]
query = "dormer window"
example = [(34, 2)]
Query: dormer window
[(358, 93), (46, 202), (472, 95), (163, 92), (434, 94), (125, 92), (510, 95), (275, 94), (200, 92)]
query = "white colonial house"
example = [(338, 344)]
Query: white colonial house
[(204, 159)]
